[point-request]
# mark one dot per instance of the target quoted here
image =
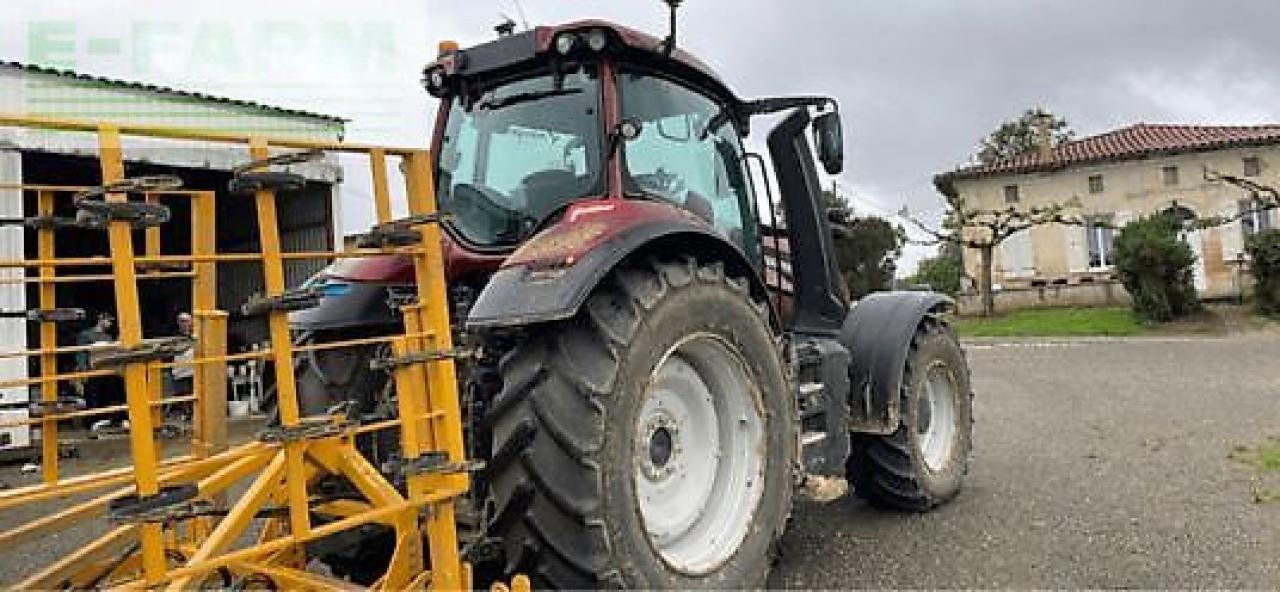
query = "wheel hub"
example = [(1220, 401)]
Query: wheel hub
[(699, 454), (936, 416)]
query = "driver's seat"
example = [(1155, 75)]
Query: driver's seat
[(545, 191)]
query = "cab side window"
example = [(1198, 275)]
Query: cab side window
[(677, 157)]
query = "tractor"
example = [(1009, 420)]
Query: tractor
[(656, 352)]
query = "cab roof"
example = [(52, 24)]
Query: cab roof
[(511, 53)]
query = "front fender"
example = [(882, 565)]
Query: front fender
[(551, 275), (878, 331)]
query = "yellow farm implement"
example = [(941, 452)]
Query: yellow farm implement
[(221, 515)]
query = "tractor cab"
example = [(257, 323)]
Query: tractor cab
[(576, 117)]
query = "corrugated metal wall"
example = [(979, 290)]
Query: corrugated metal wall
[(306, 224)]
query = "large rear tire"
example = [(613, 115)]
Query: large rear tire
[(923, 463), (648, 442)]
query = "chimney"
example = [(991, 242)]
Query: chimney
[(1044, 135)]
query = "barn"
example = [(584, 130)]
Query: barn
[(309, 219)]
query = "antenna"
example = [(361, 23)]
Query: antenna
[(524, 22), (669, 44), (506, 27)]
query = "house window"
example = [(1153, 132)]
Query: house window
[(1095, 184), (1252, 168), (1098, 229), (1253, 218), (1010, 194), (1170, 174)]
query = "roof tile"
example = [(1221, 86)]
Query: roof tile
[(1133, 141)]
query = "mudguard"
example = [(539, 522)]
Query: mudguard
[(550, 277), (878, 330), (350, 304)]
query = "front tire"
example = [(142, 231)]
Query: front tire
[(648, 441), (923, 463)]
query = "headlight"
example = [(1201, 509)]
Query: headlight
[(433, 80), (596, 40), (565, 43)]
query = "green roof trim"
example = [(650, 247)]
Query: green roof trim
[(173, 92)]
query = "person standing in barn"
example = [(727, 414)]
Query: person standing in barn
[(100, 391)]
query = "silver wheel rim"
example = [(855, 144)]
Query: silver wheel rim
[(936, 416), (699, 454)]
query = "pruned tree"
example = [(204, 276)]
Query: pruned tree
[(985, 229), (1262, 198), (1022, 135)]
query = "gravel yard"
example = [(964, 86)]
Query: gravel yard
[(1098, 463)]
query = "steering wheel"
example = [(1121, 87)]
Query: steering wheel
[(661, 182)]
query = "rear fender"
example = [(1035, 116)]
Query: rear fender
[(551, 275), (878, 330), (348, 304)]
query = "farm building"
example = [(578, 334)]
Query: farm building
[(29, 157)]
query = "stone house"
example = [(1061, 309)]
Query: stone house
[(1117, 177)]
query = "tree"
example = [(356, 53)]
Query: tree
[(1264, 263), (984, 229), (867, 248), (941, 272), (1264, 247), (1021, 135), (1155, 265)]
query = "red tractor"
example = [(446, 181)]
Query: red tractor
[(658, 351)]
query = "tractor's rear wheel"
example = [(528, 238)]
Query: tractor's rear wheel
[(922, 464), (648, 441)]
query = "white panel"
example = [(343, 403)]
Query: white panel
[(1016, 255), (13, 296), (14, 436), (1195, 239)]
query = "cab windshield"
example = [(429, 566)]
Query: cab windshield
[(514, 154)]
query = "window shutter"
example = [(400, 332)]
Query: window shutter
[(1077, 248), (1232, 234)]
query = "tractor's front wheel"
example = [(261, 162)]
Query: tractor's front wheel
[(647, 442), (922, 464)]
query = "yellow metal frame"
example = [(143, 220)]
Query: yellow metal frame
[(187, 550)]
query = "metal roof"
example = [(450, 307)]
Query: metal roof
[(169, 91)]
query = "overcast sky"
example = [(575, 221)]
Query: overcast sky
[(919, 82)]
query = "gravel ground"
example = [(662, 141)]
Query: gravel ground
[(1097, 464)]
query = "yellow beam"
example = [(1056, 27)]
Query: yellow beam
[(432, 316), (51, 577), (235, 522), (295, 579), (48, 341), (278, 324), (128, 313), (381, 197), (156, 131)]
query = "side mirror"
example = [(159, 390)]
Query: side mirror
[(829, 139)]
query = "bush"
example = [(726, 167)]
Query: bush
[(1264, 261), (941, 273), (1155, 266)]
